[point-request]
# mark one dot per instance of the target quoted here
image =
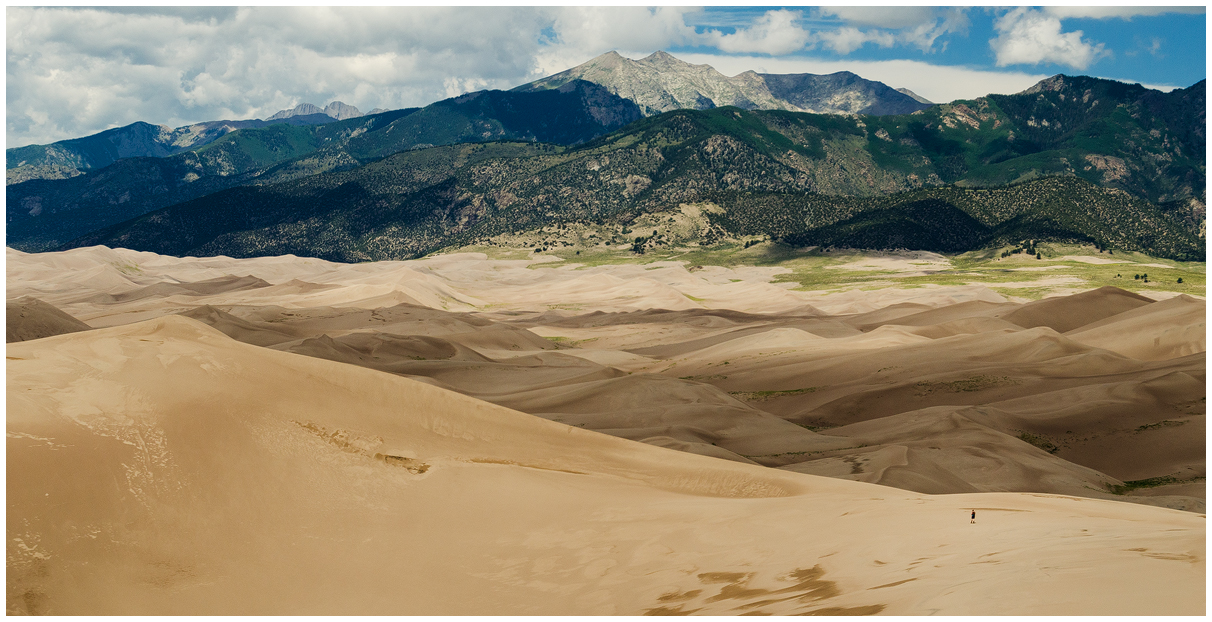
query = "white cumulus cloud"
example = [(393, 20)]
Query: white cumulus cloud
[(1029, 37), (775, 32), (76, 71)]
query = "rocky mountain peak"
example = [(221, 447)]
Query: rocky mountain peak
[(301, 109), (663, 58), (341, 111), (337, 110), (661, 82), (609, 60), (1055, 83)]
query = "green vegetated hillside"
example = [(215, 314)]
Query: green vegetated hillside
[(44, 214), (954, 219), (413, 203), (1149, 143), (400, 206)]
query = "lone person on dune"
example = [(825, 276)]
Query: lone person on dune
[(973, 517)]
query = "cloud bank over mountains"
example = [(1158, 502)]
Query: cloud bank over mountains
[(75, 71)]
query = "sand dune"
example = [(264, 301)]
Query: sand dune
[(29, 318), (939, 315), (162, 467), (963, 326), (622, 361), (638, 407), (1149, 426), (744, 354), (1161, 330), (857, 301), (288, 435), (755, 344), (886, 314), (944, 448), (256, 333), (208, 287), (725, 377), (458, 282), (588, 395), (1066, 313)]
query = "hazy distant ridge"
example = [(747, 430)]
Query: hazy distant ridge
[(68, 158)]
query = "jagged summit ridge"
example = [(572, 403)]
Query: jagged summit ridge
[(662, 82), (337, 110)]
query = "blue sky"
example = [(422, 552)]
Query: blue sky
[(74, 71), (1166, 49)]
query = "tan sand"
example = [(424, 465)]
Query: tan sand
[(951, 391), (1066, 313), (29, 318), (864, 301), (163, 468), (743, 386), (457, 282), (1162, 330)]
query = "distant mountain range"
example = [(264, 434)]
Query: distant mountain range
[(662, 83), (413, 203), (583, 149), (45, 213), (801, 178), (68, 158), (658, 83)]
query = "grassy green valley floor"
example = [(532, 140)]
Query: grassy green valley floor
[(1061, 268)]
